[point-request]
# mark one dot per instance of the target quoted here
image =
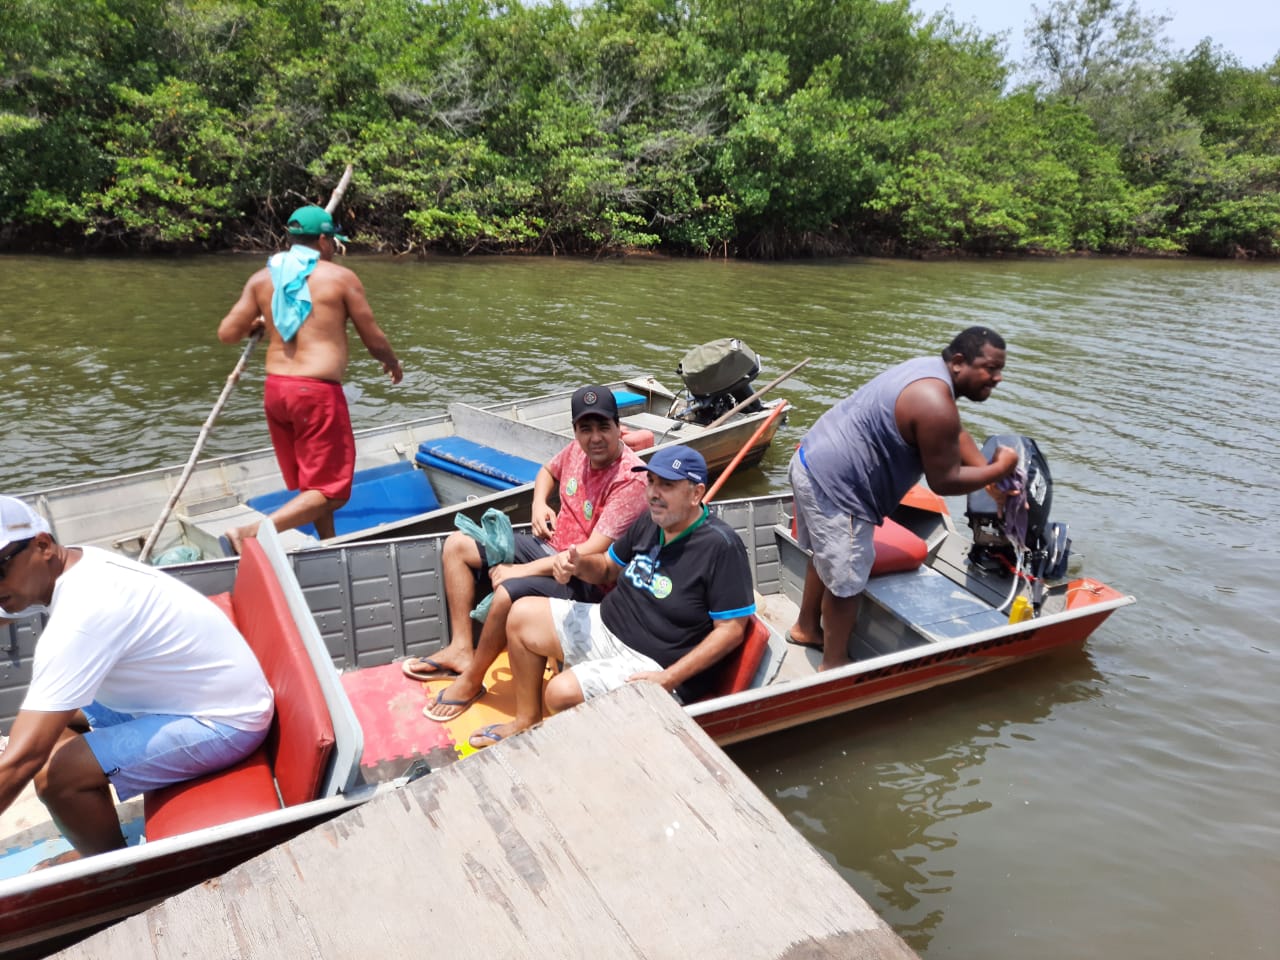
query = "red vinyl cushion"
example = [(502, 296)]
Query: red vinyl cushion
[(301, 739), (897, 549), (243, 790), (738, 669), (637, 439)]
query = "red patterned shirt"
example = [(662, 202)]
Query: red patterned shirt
[(605, 500)]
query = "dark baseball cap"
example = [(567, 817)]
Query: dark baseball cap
[(676, 463), (593, 401)]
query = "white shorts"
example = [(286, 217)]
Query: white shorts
[(843, 547), (599, 660)]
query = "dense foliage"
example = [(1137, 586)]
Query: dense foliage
[(739, 127)]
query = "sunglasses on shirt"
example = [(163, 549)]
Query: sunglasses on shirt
[(646, 575)]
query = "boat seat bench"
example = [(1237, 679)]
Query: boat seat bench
[(290, 766), (932, 604), (485, 465), (378, 495)]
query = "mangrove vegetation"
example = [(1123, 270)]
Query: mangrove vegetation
[(758, 128)]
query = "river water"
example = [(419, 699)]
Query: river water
[(1117, 801)]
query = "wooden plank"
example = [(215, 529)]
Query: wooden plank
[(614, 830)]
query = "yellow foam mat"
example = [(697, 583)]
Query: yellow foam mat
[(498, 705)]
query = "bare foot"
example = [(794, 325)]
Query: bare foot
[(453, 700), (824, 665), (443, 665), (232, 541), (67, 856), (799, 637), (488, 736)]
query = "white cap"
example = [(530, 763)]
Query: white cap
[(18, 521)]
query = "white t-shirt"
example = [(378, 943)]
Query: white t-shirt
[(138, 641)]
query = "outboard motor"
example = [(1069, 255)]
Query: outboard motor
[(717, 376), (1045, 545)]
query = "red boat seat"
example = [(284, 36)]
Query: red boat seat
[(289, 767), (736, 671), (898, 550)]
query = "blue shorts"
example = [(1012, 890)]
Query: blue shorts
[(150, 751)]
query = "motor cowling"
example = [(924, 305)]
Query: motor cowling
[(995, 542), (717, 377)]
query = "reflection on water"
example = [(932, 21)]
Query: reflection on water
[(882, 791), (1121, 803)]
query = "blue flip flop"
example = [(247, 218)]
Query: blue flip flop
[(437, 671), (489, 733), (228, 549), (429, 711)]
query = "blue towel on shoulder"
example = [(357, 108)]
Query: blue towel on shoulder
[(291, 301)]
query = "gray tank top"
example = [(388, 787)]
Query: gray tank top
[(855, 452)]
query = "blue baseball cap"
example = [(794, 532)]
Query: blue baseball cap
[(676, 463)]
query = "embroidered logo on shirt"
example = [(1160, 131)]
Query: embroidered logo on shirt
[(587, 509), (571, 487)]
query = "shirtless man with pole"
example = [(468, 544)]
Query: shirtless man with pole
[(305, 300)]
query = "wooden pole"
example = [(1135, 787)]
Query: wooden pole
[(733, 464), (757, 395), (232, 379)]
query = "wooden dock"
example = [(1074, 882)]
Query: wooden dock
[(618, 829)]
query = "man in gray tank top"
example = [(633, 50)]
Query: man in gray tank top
[(864, 454)]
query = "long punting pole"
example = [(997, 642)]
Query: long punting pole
[(733, 464), (232, 379)]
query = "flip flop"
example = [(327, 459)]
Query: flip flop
[(797, 643), (438, 670), (228, 548), (489, 733), (431, 710)]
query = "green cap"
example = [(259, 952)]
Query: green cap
[(313, 222)]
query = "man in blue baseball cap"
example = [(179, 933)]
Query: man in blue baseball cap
[(681, 602)]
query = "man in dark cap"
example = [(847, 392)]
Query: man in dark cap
[(305, 301), (681, 602), (600, 495)]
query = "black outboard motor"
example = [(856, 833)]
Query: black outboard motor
[(1047, 544), (717, 376)]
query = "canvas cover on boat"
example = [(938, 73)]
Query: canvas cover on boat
[(718, 366)]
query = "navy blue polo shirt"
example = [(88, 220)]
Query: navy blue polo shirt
[(669, 595)]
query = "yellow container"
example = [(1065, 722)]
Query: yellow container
[(1021, 610)]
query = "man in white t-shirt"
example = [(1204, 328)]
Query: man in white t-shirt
[(137, 681)]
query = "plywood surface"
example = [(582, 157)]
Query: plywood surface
[(617, 830)]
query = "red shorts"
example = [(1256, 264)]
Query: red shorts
[(311, 432)]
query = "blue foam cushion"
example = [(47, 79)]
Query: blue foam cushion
[(485, 465), (378, 495), (626, 398)]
